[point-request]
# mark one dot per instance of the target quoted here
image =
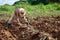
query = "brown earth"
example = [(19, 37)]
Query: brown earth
[(41, 28)]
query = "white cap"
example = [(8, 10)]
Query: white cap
[(22, 9)]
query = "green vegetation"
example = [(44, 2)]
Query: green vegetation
[(52, 9)]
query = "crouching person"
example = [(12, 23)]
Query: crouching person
[(18, 17)]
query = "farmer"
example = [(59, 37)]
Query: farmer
[(18, 17)]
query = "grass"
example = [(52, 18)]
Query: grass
[(33, 10)]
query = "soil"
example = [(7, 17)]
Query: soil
[(40, 28)]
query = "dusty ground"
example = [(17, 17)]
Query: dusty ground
[(45, 28)]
